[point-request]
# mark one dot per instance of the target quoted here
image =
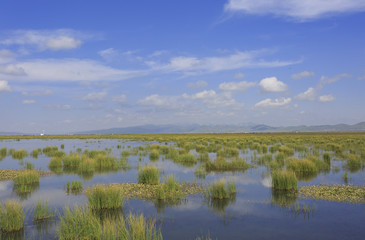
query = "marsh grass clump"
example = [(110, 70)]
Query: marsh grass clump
[(71, 161), (11, 216), (19, 154), (228, 152), (35, 152), (3, 152), (200, 172), (55, 164), (186, 159), (27, 177), (149, 174), (74, 187), (80, 223), (28, 166), (221, 164), (104, 197), (219, 189), (154, 154), (284, 180), (41, 211), (353, 162), (299, 165)]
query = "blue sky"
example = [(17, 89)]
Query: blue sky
[(70, 66)]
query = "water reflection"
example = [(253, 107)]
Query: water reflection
[(18, 235), (24, 191), (283, 198)]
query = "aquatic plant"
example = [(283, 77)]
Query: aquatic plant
[(11, 216), (284, 180), (104, 197), (80, 223), (301, 165), (41, 211), (26, 177), (219, 189), (149, 174), (74, 187), (221, 164), (19, 154), (154, 154)]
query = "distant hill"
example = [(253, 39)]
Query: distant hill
[(195, 128)]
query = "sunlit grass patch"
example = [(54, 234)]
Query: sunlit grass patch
[(27, 177), (220, 189), (9, 174), (284, 180), (104, 197), (221, 164), (18, 154), (74, 187), (149, 175), (41, 211), (11, 216)]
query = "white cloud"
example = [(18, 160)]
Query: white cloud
[(327, 80), (236, 86), (198, 84), (28, 101), (272, 103), (58, 106), (95, 96), (120, 99), (70, 70), (239, 75), (309, 95), (248, 59), (61, 39), (11, 69), (361, 78), (272, 84), (302, 75), (4, 86), (327, 98), (36, 94), (213, 100), (302, 10), (6, 56), (108, 54), (167, 102)]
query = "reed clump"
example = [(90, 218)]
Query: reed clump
[(11, 216), (104, 197), (18, 154), (220, 189), (27, 177), (221, 164), (80, 223), (149, 174), (302, 165), (284, 180), (154, 154), (74, 187), (42, 211)]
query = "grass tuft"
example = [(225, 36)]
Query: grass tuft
[(11, 216), (149, 175)]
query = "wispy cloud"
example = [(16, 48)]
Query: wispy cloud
[(69, 70), (197, 84), (272, 84), (95, 96), (273, 103), (327, 98), (236, 86), (300, 10), (238, 60), (38, 93), (58, 106), (4, 86), (309, 95), (29, 101), (302, 75), (120, 99), (214, 100), (55, 40)]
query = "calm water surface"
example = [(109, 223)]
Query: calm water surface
[(253, 214)]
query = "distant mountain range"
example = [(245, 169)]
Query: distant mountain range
[(196, 128), (247, 128)]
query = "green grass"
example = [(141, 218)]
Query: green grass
[(27, 177), (221, 164), (104, 197), (19, 154), (80, 223), (301, 165), (220, 189), (284, 180), (149, 175), (154, 154), (200, 172), (41, 211), (11, 216), (74, 187)]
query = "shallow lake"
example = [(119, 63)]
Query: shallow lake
[(254, 213)]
